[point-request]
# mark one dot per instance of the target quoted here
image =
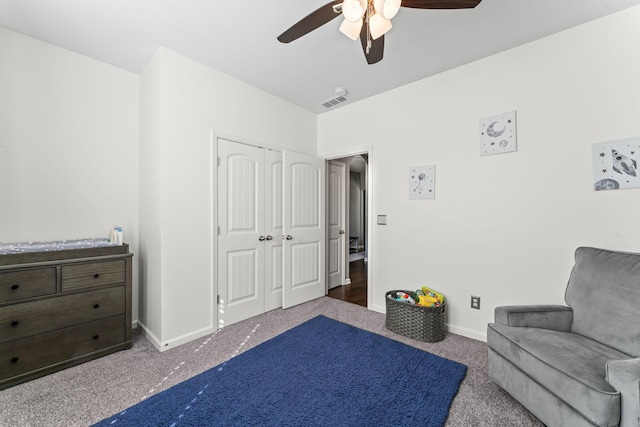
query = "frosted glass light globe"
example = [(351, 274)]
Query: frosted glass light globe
[(387, 8), (378, 25), (353, 10), (351, 29)]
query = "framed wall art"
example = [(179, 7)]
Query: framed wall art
[(422, 182), (615, 164), (498, 134)]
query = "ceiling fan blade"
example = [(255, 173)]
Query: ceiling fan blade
[(441, 4), (314, 20), (376, 50)]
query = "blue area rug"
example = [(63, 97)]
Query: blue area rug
[(320, 373)]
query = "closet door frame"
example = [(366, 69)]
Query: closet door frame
[(219, 306)]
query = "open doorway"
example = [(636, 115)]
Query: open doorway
[(354, 286)]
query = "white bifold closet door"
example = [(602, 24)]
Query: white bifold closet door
[(304, 229), (253, 248)]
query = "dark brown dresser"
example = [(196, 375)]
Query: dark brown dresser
[(61, 308)]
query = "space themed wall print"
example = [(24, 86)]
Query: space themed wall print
[(615, 164), (498, 134), (422, 182)]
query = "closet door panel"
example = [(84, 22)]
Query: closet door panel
[(241, 251), (273, 223), (304, 228)]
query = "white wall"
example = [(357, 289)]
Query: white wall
[(149, 258), (68, 145), (183, 102), (503, 227)]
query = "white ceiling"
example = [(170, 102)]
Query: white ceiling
[(239, 38)]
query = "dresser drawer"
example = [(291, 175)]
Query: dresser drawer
[(21, 284), (29, 354), (36, 317), (80, 276)]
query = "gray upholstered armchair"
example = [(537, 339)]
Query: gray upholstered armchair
[(576, 365)]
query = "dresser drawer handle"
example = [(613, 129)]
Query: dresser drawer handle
[(15, 359), (95, 276), (15, 287), (96, 336), (15, 323), (96, 305)]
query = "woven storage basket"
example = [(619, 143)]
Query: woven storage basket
[(415, 321)]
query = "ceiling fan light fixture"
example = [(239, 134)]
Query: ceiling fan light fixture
[(388, 8), (371, 18), (353, 10), (378, 25), (351, 29)]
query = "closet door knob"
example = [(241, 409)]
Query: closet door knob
[(269, 237), (261, 238), (289, 237), (341, 231)]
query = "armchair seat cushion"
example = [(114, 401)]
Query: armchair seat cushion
[(568, 365)]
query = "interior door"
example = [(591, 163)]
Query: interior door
[(273, 218), (336, 212), (241, 233), (304, 229)]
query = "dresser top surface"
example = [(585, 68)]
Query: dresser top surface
[(32, 252)]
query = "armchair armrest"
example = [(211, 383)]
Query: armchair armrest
[(556, 317), (624, 376)]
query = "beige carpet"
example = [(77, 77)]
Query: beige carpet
[(90, 392)]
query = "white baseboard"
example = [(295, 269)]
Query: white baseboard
[(150, 336), (466, 333), (378, 309), (175, 342)]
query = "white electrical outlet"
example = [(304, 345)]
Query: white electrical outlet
[(475, 302)]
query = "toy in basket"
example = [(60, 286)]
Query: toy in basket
[(418, 315)]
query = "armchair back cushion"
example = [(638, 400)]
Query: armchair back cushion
[(604, 293)]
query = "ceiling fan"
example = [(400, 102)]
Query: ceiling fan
[(367, 19)]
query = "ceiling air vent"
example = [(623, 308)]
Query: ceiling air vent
[(335, 101), (339, 99)]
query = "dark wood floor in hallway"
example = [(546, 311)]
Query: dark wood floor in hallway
[(356, 291)]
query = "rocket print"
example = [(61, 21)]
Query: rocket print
[(623, 164), (615, 164)]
